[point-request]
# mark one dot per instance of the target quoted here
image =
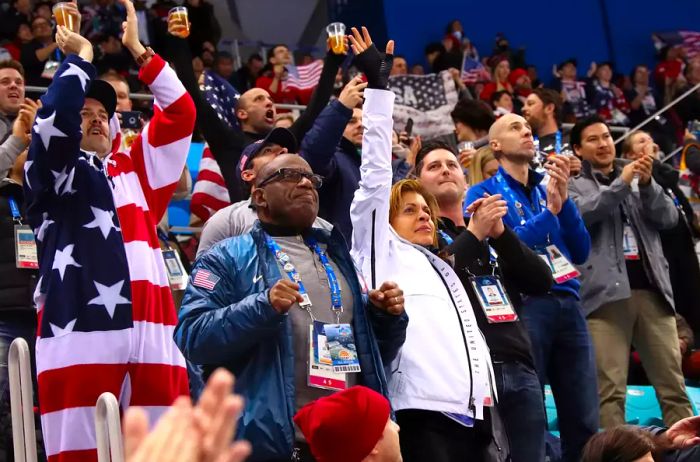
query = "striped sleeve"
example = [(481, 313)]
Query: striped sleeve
[(160, 153)]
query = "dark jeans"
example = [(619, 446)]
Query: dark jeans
[(563, 354), (521, 406), (431, 436)]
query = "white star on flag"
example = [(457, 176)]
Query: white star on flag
[(60, 332), (78, 72), (103, 220), (63, 179), (41, 232), (45, 129), (110, 297), (63, 259)]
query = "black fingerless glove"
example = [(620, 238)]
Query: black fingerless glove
[(376, 66)]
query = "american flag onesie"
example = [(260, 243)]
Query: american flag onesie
[(106, 315)]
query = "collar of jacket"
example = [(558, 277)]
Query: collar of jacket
[(587, 168), (347, 147), (533, 178)]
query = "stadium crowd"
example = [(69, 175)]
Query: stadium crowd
[(378, 295)]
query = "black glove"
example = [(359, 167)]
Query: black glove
[(376, 66)]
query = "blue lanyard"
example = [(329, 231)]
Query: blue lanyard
[(524, 213), (293, 274), (14, 209)]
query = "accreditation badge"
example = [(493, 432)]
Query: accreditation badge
[(341, 345), (562, 269), (26, 256), (177, 276), (493, 299), (321, 374), (629, 243)]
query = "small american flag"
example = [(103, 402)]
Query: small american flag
[(221, 96), (690, 40), (473, 71), (304, 77), (205, 279)]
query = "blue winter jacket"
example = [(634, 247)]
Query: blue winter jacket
[(566, 230), (234, 326)]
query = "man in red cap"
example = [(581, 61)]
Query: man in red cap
[(353, 425)]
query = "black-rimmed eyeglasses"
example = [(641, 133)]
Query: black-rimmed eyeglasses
[(293, 175)]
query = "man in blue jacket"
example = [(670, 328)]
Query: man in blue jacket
[(284, 309), (548, 222)]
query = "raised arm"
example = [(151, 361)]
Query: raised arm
[(160, 152), (55, 147), (320, 96), (369, 211)]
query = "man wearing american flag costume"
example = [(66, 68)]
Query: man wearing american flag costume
[(106, 315)]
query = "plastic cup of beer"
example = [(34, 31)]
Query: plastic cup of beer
[(336, 37), (178, 22), (67, 15)]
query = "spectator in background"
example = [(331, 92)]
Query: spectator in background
[(14, 136), (678, 241), (499, 79), (547, 220), (606, 98), (332, 147), (205, 26), (534, 76), (43, 9), (110, 55), (417, 69), (23, 36), (37, 55), (223, 65), (244, 78), (689, 108), (472, 120), (522, 86), (502, 103), (100, 18), (543, 112), (438, 58), (502, 49), (121, 87), (455, 43), (644, 101), (19, 12), (208, 54), (399, 66), (573, 91), (625, 285), (273, 77), (668, 70), (483, 165)]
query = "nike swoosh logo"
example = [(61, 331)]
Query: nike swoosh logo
[(257, 278)]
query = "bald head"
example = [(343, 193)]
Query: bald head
[(511, 136), (256, 111)]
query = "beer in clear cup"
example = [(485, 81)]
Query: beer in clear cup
[(178, 22), (67, 15), (336, 37)]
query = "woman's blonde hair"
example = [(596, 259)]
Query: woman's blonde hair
[(481, 157), (406, 186)]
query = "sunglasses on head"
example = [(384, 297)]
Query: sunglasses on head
[(293, 175)]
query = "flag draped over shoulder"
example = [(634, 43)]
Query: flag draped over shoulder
[(427, 99)]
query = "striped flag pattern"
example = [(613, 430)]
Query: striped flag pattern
[(304, 77), (210, 193), (106, 314)]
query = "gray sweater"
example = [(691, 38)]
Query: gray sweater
[(10, 145)]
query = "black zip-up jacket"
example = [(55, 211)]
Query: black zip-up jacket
[(520, 269)]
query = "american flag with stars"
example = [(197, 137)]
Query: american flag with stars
[(690, 40), (427, 99), (221, 96), (105, 312)]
